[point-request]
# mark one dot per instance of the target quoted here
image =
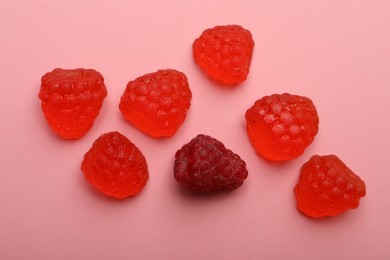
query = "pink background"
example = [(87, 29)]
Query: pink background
[(335, 52)]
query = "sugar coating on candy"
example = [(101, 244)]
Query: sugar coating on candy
[(225, 53), (71, 100), (157, 103), (281, 126), (205, 165), (327, 187), (115, 166)]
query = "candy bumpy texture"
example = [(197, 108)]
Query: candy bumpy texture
[(327, 187), (205, 165), (115, 166), (157, 103), (281, 126), (225, 53), (71, 100)]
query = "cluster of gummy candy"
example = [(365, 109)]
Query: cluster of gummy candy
[(280, 127)]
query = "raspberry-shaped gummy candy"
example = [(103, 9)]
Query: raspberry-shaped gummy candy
[(205, 165), (157, 103), (115, 166), (327, 187), (281, 126), (225, 53), (71, 100)]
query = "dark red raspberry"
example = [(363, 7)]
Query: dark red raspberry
[(280, 127), (327, 187), (157, 103), (205, 165), (71, 100), (225, 53), (115, 166)]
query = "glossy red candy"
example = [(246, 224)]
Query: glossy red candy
[(71, 100), (327, 187), (157, 103), (115, 166), (281, 126), (225, 53)]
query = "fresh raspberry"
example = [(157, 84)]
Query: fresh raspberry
[(225, 53), (280, 127), (327, 187), (71, 100), (205, 165), (157, 103), (115, 166)]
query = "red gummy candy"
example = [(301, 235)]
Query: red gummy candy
[(327, 187), (115, 166), (157, 103), (225, 53), (71, 100), (281, 127)]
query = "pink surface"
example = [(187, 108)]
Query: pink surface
[(335, 52)]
